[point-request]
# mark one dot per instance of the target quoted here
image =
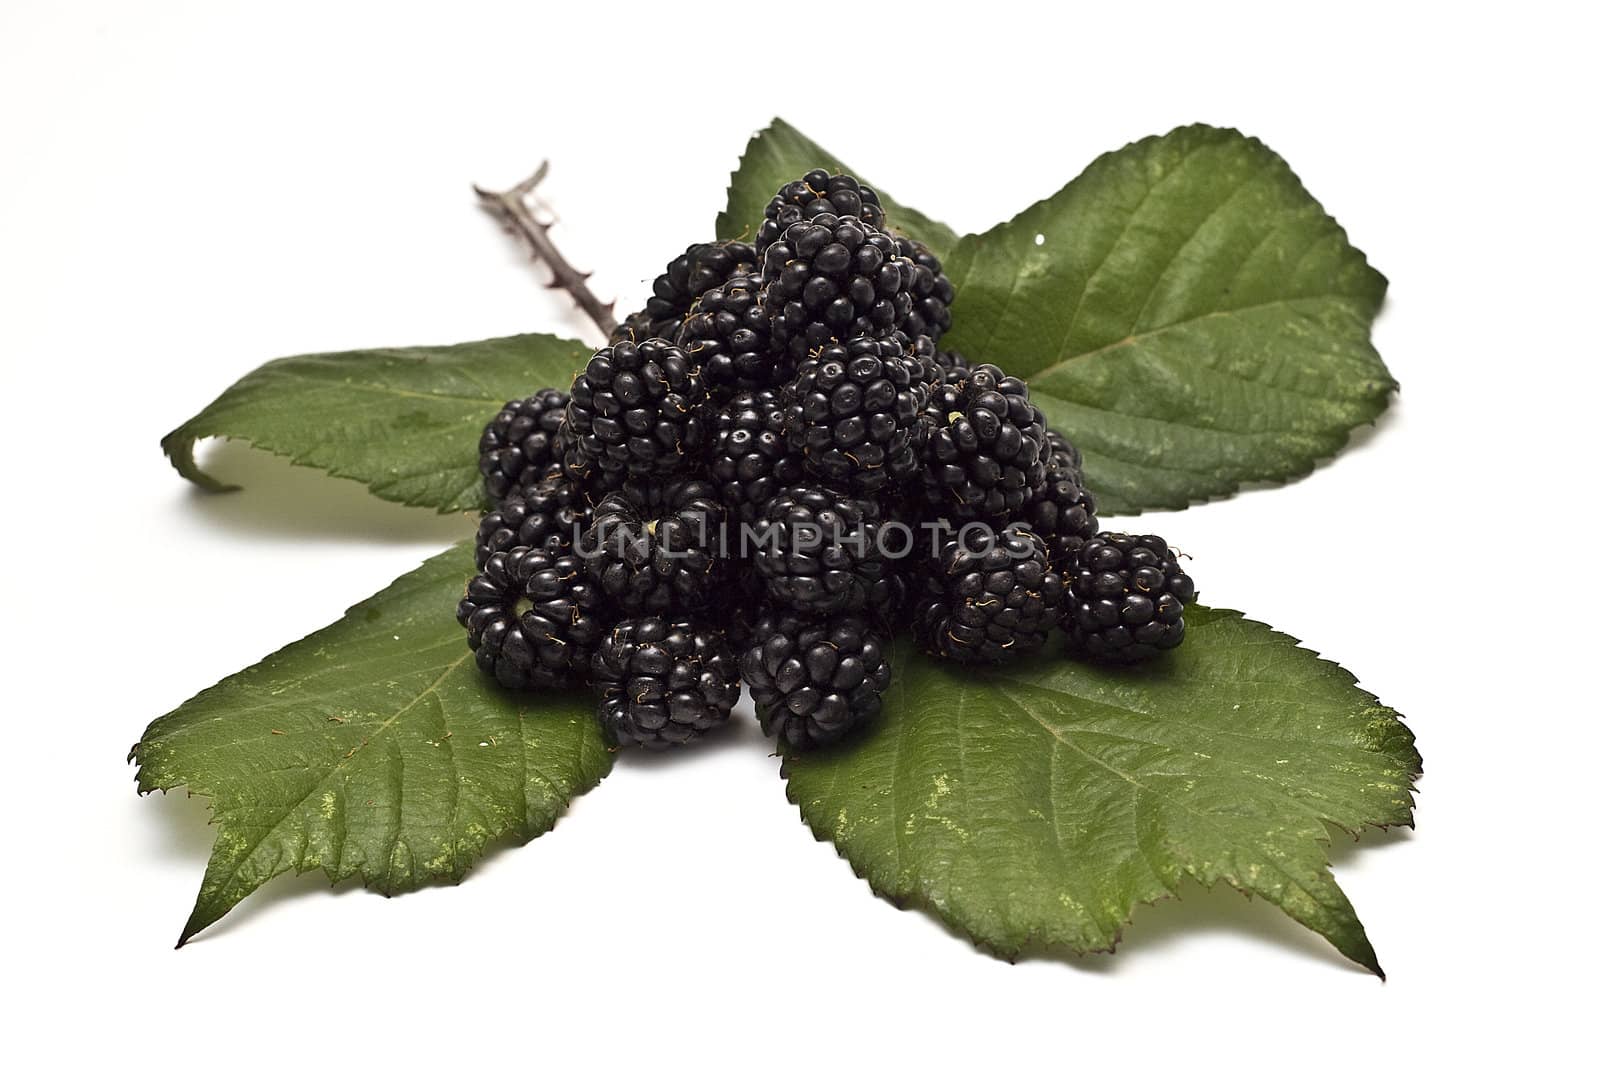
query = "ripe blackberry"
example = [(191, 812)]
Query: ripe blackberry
[(660, 553), (831, 278), (990, 603), (544, 515), (694, 271), (814, 679), (814, 193), (931, 290), (820, 552), (1125, 598), (520, 441), (854, 414), (750, 461), (1062, 510), (637, 409), (953, 364), (986, 450), (533, 618), (664, 683), (728, 334)]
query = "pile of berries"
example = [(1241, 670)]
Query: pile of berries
[(769, 470)]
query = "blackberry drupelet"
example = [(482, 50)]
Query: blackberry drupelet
[(545, 515), (831, 278), (1125, 598), (1062, 511), (520, 441), (637, 410), (811, 195), (693, 272), (664, 683), (986, 450), (931, 291), (854, 414), (657, 553), (533, 618), (814, 679), (728, 334), (820, 552), (750, 461), (989, 603)]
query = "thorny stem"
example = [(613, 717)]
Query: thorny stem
[(511, 209)]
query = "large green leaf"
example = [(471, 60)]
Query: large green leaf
[(779, 155), (1186, 313), (405, 422), (1032, 807), (374, 749)]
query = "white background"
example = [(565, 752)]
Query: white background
[(187, 190)]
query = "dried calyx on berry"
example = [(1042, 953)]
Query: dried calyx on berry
[(1125, 598), (664, 683), (520, 442), (814, 679)]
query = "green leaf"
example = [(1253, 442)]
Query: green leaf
[(405, 422), (779, 155), (1032, 807), (1186, 313), (374, 749)]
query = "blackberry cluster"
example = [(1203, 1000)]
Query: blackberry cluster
[(775, 463), (1126, 597)]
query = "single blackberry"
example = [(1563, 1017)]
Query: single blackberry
[(728, 334), (664, 683), (545, 515), (520, 441), (932, 293), (694, 271), (814, 193), (658, 553), (1125, 598), (750, 461), (854, 414), (1062, 511), (831, 278), (814, 679), (822, 553), (986, 449), (533, 618), (637, 410), (991, 603)]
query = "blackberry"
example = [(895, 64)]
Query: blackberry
[(750, 461), (952, 363), (520, 441), (854, 414), (637, 409), (664, 683), (657, 554), (533, 618), (1125, 598), (990, 603), (545, 515), (728, 335), (814, 193), (694, 271), (931, 290), (1062, 511), (814, 679), (831, 278), (986, 450), (820, 552)]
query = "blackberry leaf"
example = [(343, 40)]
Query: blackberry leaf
[(1033, 806), (402, 421), (1187, 312), (373, 749)]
